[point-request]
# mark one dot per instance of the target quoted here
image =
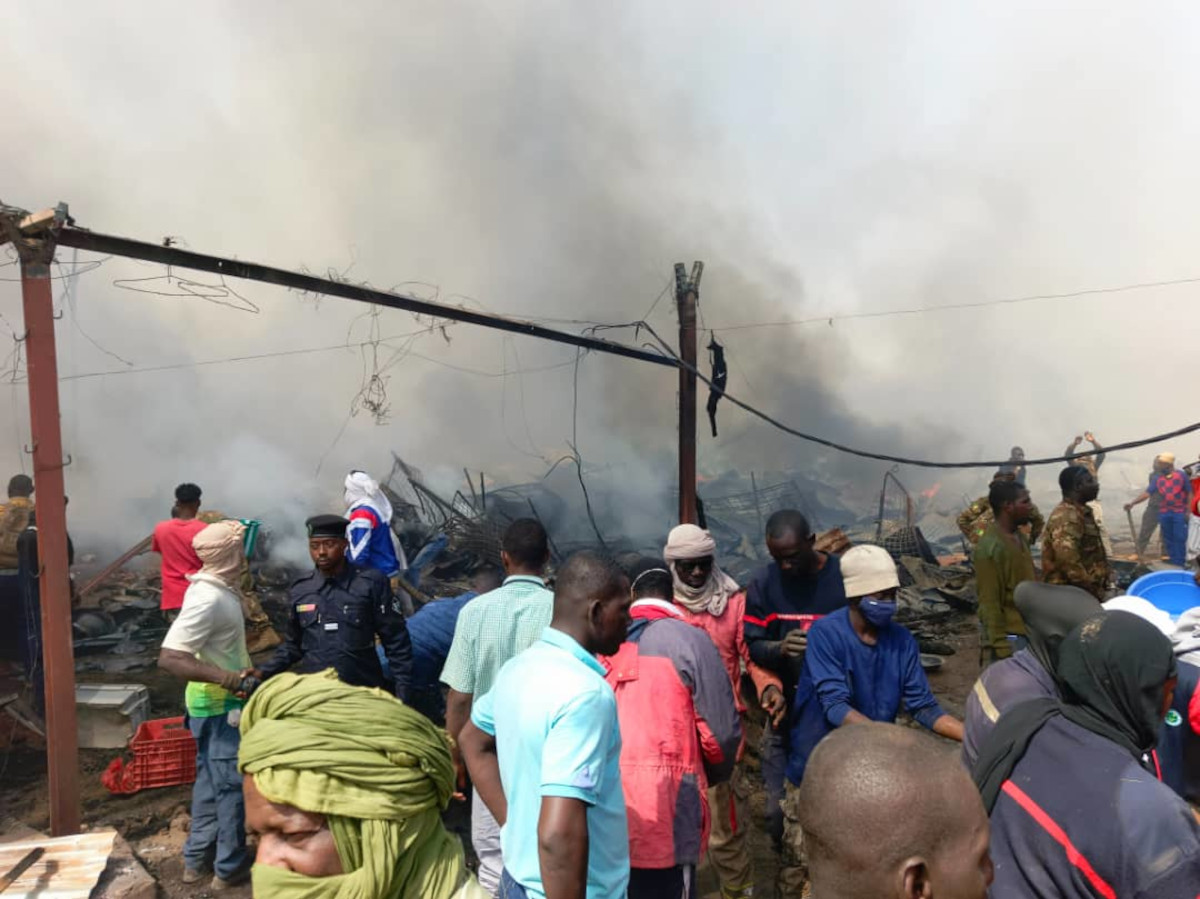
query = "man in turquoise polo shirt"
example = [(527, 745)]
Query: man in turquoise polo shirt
[(544, 746)]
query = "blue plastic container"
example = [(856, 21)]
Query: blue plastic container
[(1172, 591)]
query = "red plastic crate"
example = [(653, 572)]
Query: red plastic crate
[(164, 755)]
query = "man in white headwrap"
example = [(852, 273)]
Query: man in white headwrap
[(206, 646), (371, 541), (370, 531), (712, 600)]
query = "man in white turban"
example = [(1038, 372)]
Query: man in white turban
[(370, 531), (371, 541), (712, 600), (700, 584)]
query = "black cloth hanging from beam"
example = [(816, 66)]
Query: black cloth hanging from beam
[(720, 376)]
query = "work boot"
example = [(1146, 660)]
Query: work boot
[(195, 875), (236, 879)]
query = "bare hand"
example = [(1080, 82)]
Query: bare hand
[(460, 771), (1089, 436), (775, 705), (795, 643), (1129, 507), (1077, 441)]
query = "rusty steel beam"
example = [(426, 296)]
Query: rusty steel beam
[(233, 268), (62, 749)]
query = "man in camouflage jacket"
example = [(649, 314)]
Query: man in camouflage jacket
[(978, 517), (1073, 550)]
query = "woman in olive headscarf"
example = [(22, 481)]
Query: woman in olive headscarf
[(1075, 806), (345, 787)]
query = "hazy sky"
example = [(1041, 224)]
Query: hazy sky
[(554, 161)]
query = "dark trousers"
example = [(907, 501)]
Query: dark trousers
[(217, 834), (429, 702), (12, 612), (30, 629), (1149, 526), (772, 752), (662, 883)]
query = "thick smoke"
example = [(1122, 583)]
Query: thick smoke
[(553, 162)]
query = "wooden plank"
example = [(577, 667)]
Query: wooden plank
[(29, 225), (143, 546), (36, 221), (69, 869)]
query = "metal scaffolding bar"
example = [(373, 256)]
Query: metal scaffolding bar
[(233, 268)]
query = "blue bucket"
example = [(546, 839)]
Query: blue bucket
[(1172, 591)]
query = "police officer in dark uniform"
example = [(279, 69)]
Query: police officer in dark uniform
[(336, 611)]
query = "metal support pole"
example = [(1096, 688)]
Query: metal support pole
[(62, 749), (236, 268), (686, 297)]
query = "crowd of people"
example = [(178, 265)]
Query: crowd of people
[(1003, 527), (599, 719), (1082, 729), (1077, 551)]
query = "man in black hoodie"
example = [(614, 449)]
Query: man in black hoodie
[(782, 601)]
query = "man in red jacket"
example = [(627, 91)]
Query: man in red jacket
[(680, 732), (708, 598)]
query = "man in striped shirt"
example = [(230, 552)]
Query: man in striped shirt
[(490, 631)]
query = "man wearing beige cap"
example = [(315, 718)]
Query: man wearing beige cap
[(1174, 491), (859, 667)]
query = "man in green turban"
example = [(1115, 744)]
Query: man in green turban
[(345, 787)]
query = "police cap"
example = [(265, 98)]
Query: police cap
[(327, 526)]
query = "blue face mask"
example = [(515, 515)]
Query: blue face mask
[(877, 612)]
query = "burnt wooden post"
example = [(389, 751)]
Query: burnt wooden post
[(687, 293)]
